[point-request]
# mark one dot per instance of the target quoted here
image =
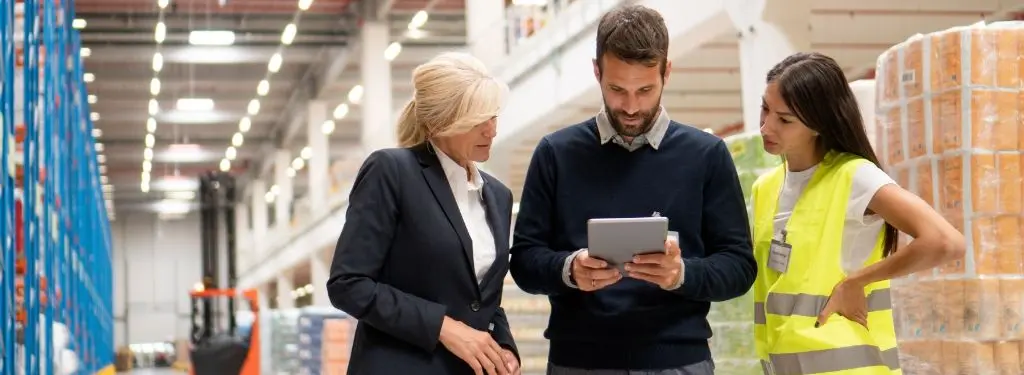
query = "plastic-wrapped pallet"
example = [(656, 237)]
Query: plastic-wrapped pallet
[(284, 345), (732, 322), (948, 112), (310, 326)]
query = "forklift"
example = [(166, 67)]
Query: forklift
[(215, 349)]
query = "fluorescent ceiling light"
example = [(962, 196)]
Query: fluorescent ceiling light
[(195, 104), (305, 4), (327, 127), (275, 63), (288, 36), (225, 165), (154, 107), (160, 33), (306, 153), (93, 99), (244, 125), (231, 153), (237, 140), (158, 61), (154, 86), (298, 163), (291, 172), (392, 51), (183, 153), (85, 52), (96, 133), (88, 77), (176, 183), (418, 20), (416, 34), (147, 166), (151, 125), (211, 37), (355, 95), (340, 111), (254, 107), (162, 3), (78, 23), (263, 88), (150, 140), (94, 116)]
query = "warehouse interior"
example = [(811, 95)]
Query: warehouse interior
[(190, 147)]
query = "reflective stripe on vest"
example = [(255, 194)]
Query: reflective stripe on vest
[(786, 305), (831, 360), (811, 305)]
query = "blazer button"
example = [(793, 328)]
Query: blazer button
[(475, 306)]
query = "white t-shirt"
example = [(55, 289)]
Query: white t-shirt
[(861, 231)]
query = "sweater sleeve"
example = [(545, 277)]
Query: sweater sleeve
[(728, 268), (535, 267)]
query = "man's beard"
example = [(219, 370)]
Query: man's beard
[(647, 120)]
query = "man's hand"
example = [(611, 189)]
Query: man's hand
[(661, 269), (591, 274), (511, 361)]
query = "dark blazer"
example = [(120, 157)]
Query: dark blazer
[(404, 261)]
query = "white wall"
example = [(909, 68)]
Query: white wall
[(156, 263)]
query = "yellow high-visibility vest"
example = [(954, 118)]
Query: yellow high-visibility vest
[(786, 305)]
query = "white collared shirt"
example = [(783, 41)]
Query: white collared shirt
[(469, 197)]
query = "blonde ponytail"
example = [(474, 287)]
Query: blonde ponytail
[(410, 131), (452, 94)]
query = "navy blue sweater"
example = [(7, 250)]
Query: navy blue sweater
[(691, 180)]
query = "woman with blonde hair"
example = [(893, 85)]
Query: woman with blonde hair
[(424, 251)]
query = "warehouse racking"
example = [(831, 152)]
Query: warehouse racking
[(56, 278)]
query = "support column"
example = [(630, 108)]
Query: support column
[(318, 163), (285, 286), (259, 217), (378, 130), (485, 31), (283, 199), (319, 271), (769, 30)]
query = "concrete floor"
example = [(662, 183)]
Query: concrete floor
[(149, 371)]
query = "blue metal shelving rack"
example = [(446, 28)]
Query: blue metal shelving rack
[(67, 249)]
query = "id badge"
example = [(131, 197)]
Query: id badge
[(778, 256)]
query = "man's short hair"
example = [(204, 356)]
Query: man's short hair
[(635, 34)]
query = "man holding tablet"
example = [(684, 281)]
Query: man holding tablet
[(632, 161)]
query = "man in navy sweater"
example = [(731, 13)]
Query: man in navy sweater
[(631, 160)]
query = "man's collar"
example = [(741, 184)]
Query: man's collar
[(652, 137)]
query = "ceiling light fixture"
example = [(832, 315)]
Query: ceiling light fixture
[(154, 86), (237, 140), (78, 23), (88, 77), (151, 125), (85, 52), (225, 165), (244, 124), (355, 95), (160, 33), (93, 99), (96, 133), (327, 127), (340, 111), (263, 88), (392, 51), (231, 153), (306, 153), (158, 61), (150, 140), (154, 107), (275, 63), (418, 20), (305, 4), (211, 38), (195, 104), (254, 107), (94, 116), (288, 36)]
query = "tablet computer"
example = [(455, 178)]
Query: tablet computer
[(617, 240)]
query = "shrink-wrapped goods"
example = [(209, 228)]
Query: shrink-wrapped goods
[(949, 122)]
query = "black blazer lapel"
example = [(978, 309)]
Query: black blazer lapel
[(434, 174), (499, 230)]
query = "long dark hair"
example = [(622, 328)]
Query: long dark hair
[(815, 88)]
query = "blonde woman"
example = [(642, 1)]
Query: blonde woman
[(424, 250)]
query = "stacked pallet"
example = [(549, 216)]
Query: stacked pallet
[(311, 328), (284, 339), (948, 114), (336, 345)]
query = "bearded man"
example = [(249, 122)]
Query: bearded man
[(632, 160)]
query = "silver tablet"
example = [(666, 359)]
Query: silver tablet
[(617, 240)]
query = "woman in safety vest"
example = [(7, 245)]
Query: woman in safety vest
[(825, 231)]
